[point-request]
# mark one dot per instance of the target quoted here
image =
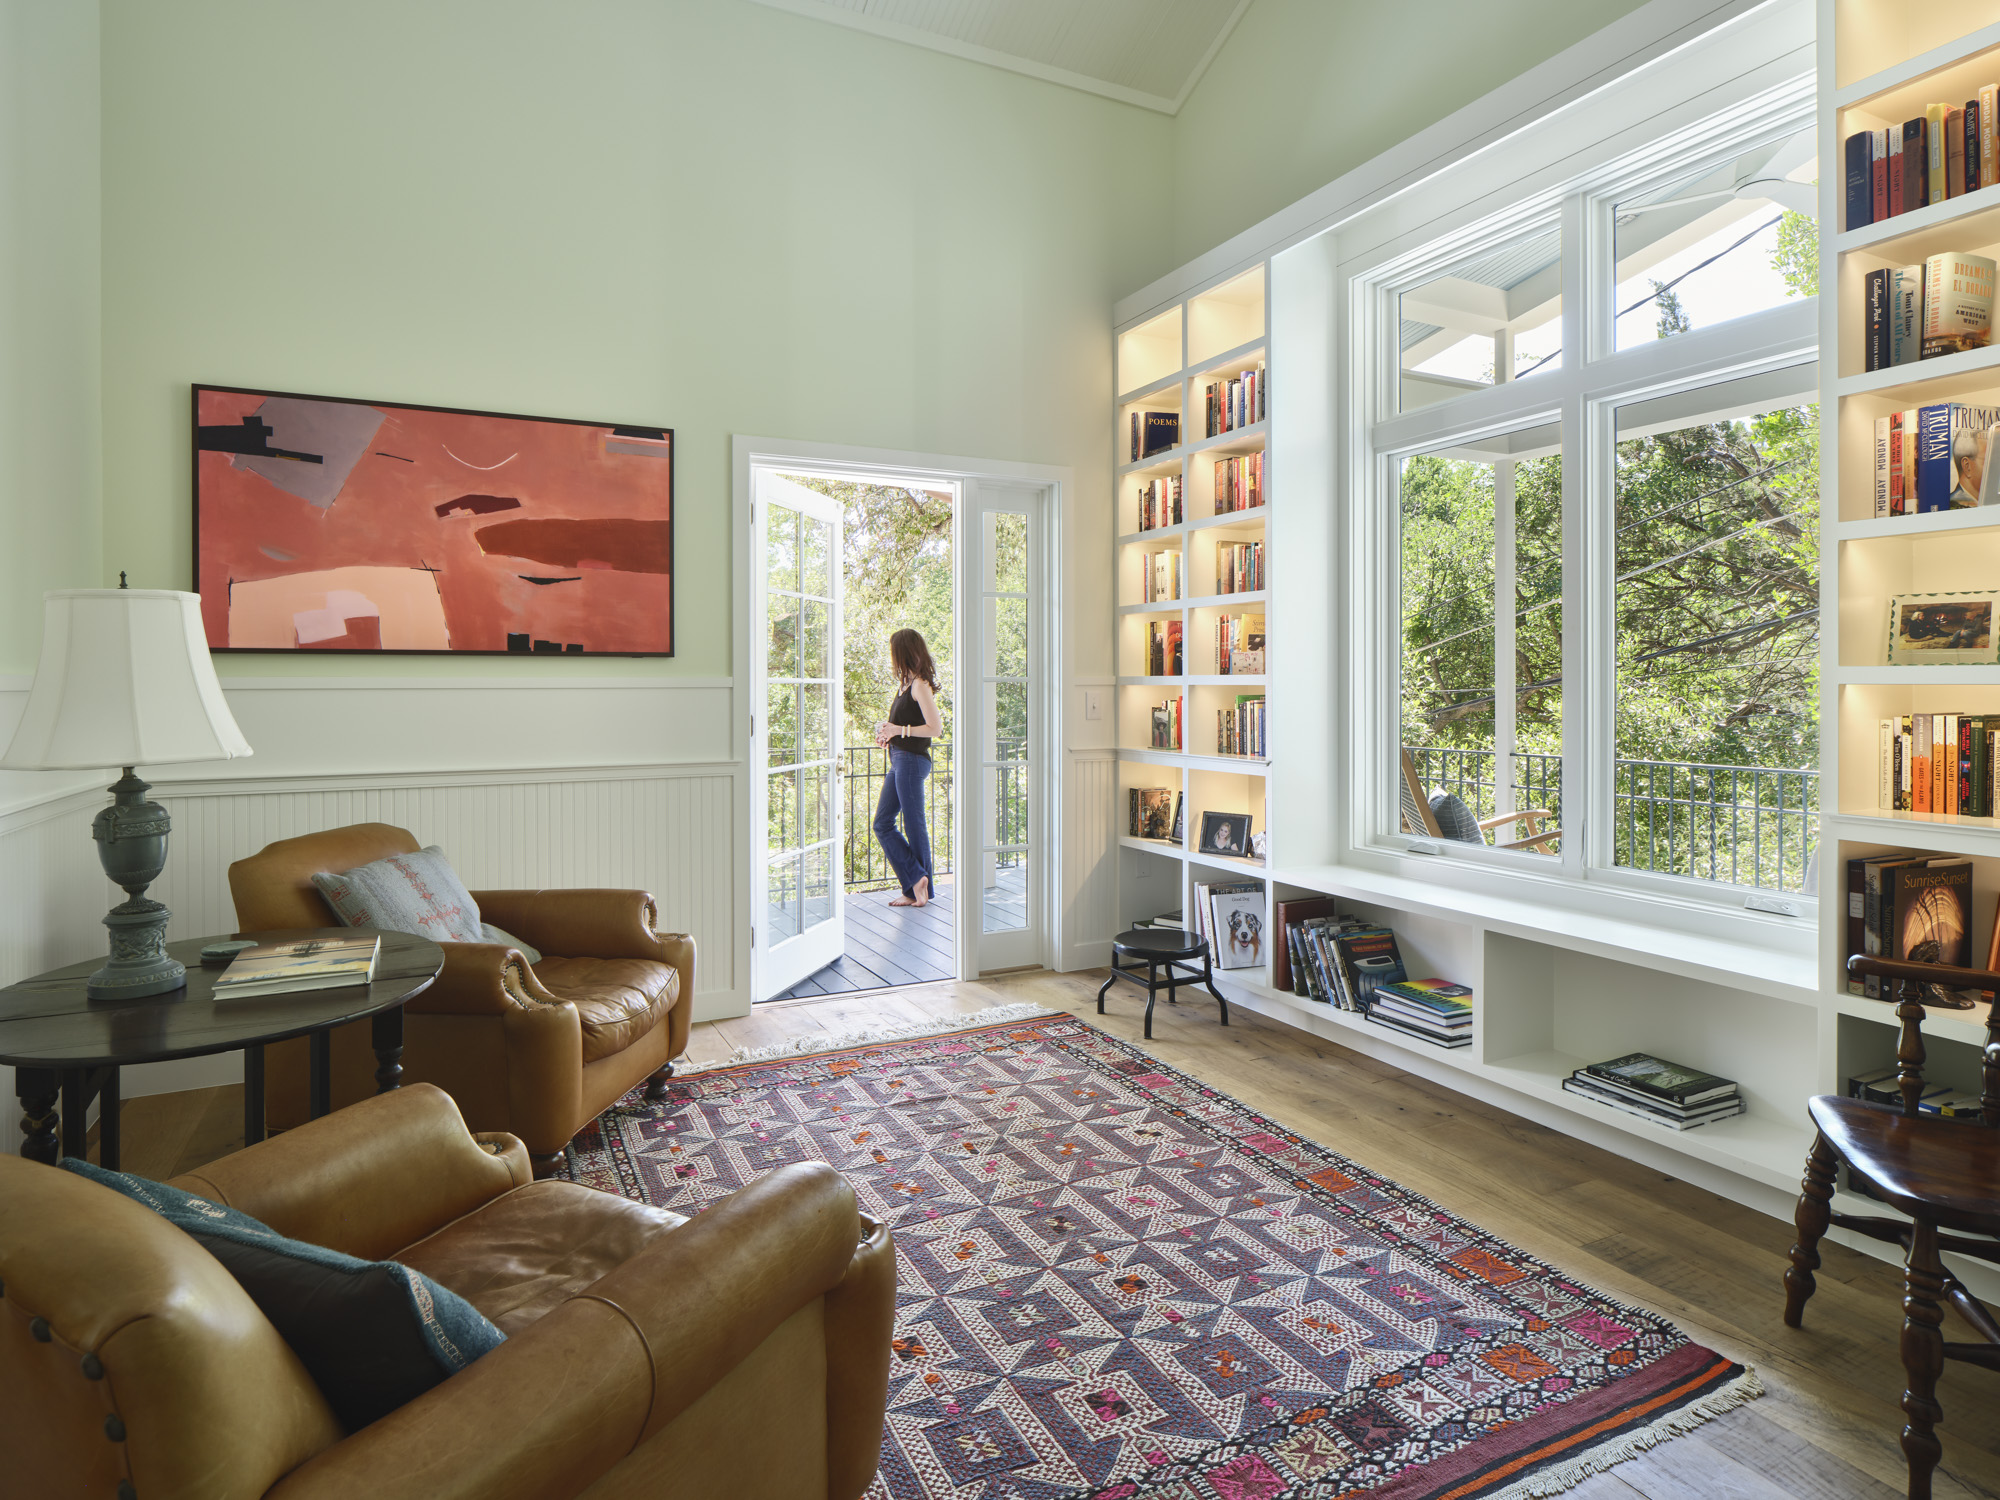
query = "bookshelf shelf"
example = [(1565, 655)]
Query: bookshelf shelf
[(1254, 516), (1161, 607), (1228, 365), (1249, 439), (1902, 90), (1150, 846), (1947, 833), (1903, 528), (1168, 461), (1867, 676), (1960, 223), (1156, 535), (1141, 681), (1226, 679), (1927, 380)]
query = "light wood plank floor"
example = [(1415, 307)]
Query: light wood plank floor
[(1826, 1429)]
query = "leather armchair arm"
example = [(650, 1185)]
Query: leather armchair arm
[(587, 924), (368, 1179), (482, 979), (549, 1411)]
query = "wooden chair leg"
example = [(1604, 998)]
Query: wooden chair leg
[(1923, 1356), (656, 1085), (1814, 1210), (545, 1166)]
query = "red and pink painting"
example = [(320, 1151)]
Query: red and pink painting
[(324, 524)]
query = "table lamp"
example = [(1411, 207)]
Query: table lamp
[(124, 679)]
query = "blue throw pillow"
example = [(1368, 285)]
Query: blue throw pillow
[(372, 1334), (1455, 820)]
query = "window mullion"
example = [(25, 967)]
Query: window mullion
[(1581, 601)]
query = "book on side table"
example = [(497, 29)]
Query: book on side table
[(311, 964)]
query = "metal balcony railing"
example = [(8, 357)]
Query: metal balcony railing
[(1745, 825), (862, 768)]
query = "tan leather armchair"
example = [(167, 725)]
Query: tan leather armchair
[(742, 1353), (537, 1051)]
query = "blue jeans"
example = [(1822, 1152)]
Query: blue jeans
[(903, 789)]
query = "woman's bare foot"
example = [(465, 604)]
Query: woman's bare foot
[(906, 901), (921, 892)]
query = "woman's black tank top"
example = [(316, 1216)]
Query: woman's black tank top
[(905, 711)]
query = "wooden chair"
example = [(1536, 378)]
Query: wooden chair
[(1944, 1174), (1419, 819)]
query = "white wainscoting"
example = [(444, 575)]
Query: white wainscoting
[(1089, 855)]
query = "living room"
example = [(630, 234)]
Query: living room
[(1528, 325)]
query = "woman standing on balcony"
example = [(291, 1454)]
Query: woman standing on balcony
[(912, 724)]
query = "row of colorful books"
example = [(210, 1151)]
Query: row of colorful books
[(1239, 645), (1230, 404), (1879, 1086), (1355, 965), (1153, 812), (1940, 763), (1160, 576), (1160, 503), (1163, 648), (1230, 914), (1666, 1093), (1154, 432), (1943, 306), (1167, 724), (1935, 458), (1239, 483), (1240, 730), (1239, 567), (1907, 905), (1943, 152)]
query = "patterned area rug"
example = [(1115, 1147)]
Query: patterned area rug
[(1116, 1282)]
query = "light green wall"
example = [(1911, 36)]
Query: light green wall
[(50, 494), (704, 213), (1306, 90)]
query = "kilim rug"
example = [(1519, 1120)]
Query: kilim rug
[(1118, 1282)]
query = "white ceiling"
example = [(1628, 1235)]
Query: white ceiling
[(1146, 52)]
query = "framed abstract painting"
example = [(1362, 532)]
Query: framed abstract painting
[(326, 524)]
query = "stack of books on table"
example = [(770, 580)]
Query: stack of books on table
[(1652, 1088), (1436, 1010), (309, 964)]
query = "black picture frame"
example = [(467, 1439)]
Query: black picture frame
[(636, 432), (1225, 833)]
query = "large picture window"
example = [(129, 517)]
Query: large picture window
[(1602, 503)]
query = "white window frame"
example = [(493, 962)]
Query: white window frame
[(1540, 181)]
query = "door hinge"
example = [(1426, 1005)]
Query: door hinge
[(753, 937), (753, 726)]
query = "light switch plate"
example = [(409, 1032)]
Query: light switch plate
[(1093, 703)]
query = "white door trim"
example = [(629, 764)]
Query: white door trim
[(747, 451)]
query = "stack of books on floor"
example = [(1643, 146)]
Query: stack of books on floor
[(1652, 1088), (1879, 1087), (1170, 920), (1436, 1010)]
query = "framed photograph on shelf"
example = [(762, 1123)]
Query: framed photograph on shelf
[(1943, 630), (1225, 833)]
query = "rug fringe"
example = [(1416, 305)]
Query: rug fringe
[(804, 1046), (1743, 1389)]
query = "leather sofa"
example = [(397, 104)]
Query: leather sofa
[(539, 1051), (742, 1353)]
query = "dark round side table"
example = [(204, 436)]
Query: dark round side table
[(1151, 950), (64, 1045)]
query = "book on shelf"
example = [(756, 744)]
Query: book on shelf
[(1154, 432), (1239, 483), (1149, 812), (310, 964), (1916, 166), (1368, 958), (1237, 920), (1958, 303), (1946, 151), (1436, 1010), (1240, 730), (1160, 503), (1239, 567), (1230, 404), (1160, 576), (1582, 1084), (1238, 636), (1939, 763), (1954, 159), (1164, 655), (1910, 906), (1655, 1079), (1175, 835), (1167, 724), (1935, 457), (1879, 1086), (1284, 917), (1205, 925)]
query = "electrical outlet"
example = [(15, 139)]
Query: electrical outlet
[(1093, 703)]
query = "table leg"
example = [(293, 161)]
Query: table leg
[(1152, 992), (253, 1094), (107, 1121), (385, 1032), (75, 1113), (37, 1089), (321, 1096)]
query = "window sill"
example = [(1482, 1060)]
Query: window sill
[(1771, 956)]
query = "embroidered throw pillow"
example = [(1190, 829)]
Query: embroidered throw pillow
[(373, 1334), (416, 893)]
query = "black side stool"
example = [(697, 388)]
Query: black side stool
[(1154, 949)]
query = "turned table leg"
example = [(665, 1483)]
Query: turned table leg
[(38, 1089), (385, 1034)]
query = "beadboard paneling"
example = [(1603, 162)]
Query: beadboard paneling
[(1090, 851)]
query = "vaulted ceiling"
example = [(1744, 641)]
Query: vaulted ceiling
[(1145, 52)]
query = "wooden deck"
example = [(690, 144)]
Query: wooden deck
[(895, 945)]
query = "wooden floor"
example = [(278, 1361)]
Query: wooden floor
[(899, 945), (1827, 1427)]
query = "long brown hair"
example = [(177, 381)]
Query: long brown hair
[(912, 658)]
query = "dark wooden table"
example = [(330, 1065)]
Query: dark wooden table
[(62, 1044)]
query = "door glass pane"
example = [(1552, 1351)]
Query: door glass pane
[(815, 557), (781, 657), (1010, 803), (1007, 553), (816, 884), (815, 803), (1482, 713), (1717, 770), (1497, 315), (781, 705), (817, 653), (817, 740), (781, 549), (1735, 238), (1009, 718), (781, 906), (1010, 637), (781, 814)]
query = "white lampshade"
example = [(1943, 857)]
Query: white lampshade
[(125, 679)]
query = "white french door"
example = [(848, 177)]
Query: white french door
[(796, 734), (1003, 756)]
